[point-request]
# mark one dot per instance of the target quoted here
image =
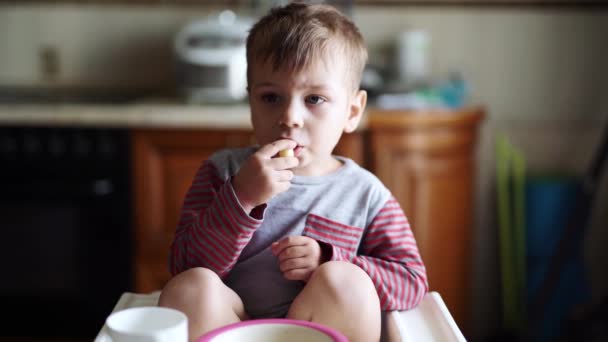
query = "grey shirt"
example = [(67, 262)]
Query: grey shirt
[(350, 196)]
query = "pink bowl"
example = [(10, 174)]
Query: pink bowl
[(273, 330)]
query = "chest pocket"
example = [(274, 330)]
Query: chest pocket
[(333, 232)]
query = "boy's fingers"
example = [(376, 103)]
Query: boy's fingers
[(270, 150), (293, 264), (297, 274), (283, 163), (278, 246), (284, 175), (292, 252)]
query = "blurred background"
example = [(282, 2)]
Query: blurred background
[(73, 73)]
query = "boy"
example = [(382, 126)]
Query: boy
[(310, 236)]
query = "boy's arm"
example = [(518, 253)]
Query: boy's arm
[(213, 229), (390, 257)]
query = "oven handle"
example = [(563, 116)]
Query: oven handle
[(96, 188), (102, 187)]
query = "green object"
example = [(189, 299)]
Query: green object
[(519, 232), (510, 174), (505, 242)]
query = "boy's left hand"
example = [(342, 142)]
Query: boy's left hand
[(299, 256)]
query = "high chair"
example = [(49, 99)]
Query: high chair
[(429, 321)]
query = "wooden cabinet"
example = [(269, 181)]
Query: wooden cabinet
[(427, 160), (165, 162)]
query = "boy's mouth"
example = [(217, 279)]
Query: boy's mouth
[(298, 150)]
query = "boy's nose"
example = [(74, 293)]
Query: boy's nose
[(291, 116)]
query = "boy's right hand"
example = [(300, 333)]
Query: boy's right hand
[(262, 176)]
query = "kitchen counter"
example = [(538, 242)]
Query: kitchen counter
[(130, 116), (147, 115)]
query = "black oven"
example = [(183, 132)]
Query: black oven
[(65, 232)]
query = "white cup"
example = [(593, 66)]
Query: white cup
[(148, 324)]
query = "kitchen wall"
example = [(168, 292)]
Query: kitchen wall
[(540, 73)]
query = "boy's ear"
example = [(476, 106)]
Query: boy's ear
[(357, 107)]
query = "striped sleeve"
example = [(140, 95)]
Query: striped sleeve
[(389, 255), (213, 229)]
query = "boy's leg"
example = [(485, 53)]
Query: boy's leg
[(342, 296), (204, 298)]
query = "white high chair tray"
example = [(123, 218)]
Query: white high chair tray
[(429, 321)]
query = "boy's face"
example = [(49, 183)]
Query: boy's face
[(312, 107)]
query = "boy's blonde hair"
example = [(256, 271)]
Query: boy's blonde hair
[(296, 35)]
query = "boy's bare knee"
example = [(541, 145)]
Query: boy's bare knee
[(343, 279), (342, 285), (203, 297), (195, 278), (193, 283), (341, 295)]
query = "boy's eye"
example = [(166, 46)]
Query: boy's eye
[(314, 99), (270, 98)]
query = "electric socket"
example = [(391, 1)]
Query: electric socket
[(49, 62)]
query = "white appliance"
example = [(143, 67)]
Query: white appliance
[(412, 57), (211, 61)]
